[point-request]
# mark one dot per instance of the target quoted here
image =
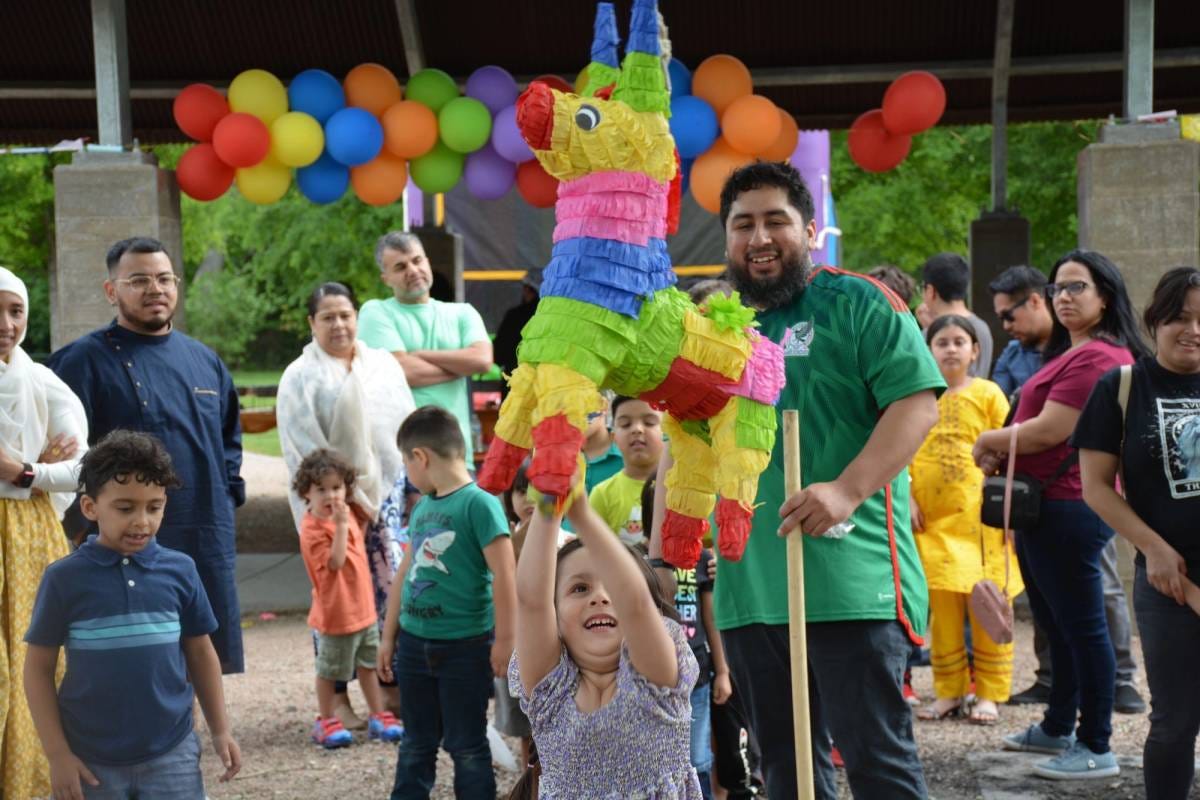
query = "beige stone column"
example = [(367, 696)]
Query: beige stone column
[(99, 199)]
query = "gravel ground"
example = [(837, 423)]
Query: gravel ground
[(273, 705)]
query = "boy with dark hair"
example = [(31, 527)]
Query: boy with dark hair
[(135, 622), (442, 630), (343, 598), (947, 279), (637, 429)]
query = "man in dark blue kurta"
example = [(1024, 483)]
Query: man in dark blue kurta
[(141, 374)]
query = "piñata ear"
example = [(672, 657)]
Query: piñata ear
[(643, 83), (604, 68)]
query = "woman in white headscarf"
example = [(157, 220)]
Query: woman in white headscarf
[(343, 395), (43, 431)]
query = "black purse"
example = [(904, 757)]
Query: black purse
[(1026, 493)]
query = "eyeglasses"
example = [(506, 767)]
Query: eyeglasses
[(141, 283), (1074, 288), (1006, 315)]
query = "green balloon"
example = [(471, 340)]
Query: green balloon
[(431, 87), (465, 124), (438, 170)]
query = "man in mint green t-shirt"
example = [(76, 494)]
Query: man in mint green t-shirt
[(438, 344), (865, 385)]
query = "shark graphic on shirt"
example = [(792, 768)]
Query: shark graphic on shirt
[(427, 553)]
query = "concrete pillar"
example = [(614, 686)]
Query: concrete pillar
[(1139, 204), (99, 199)]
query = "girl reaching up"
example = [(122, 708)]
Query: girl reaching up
[(602, 668)]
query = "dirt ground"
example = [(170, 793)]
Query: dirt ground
[(273, 705)]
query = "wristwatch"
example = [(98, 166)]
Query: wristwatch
[(25, 479)]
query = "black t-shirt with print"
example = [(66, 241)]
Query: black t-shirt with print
[(689, 585), (1161, 461)]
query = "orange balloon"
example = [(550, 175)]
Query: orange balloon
[(751, 123), (719, 80), (711, 170), (410, 129), (380, 181), (785, 143), (373, 87)]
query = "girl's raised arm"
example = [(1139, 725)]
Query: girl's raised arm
[(538, 648), (650, 646)]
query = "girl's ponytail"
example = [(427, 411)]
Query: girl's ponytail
[(527, 787)]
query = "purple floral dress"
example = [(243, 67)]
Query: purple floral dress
[(634, 747)]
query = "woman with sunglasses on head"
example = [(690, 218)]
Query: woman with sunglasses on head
[(1149, 433), (1094, 331)]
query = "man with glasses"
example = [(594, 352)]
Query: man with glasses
[(1019, 300), (140, 373)]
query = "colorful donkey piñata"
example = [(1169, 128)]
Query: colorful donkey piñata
[(610, 317)]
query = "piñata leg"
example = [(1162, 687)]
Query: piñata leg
[(514, 433), (691, 493), (564, 398), (743, 434)]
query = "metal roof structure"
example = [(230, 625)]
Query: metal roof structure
[(823, 62)]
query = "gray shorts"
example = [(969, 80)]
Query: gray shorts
[(339, 655), (510, 719)]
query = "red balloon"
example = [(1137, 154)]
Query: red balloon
[(538, 187), (556, 82), (872, 147), (241, 140), (914, 102), (202, 175), (198, 109)]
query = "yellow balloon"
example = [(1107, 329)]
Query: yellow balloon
[(264, 183), (296, 139), (260, 93)]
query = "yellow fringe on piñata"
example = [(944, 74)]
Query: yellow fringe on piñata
[(691, 482), (513, 426), (560, 390), (706, 345), (739, 467), (625, 140)]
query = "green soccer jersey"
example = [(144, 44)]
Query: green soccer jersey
[(848, 352), (447, 592)]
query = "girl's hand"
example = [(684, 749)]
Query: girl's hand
[(1166, 569), (722, 688), (66, 774), (918, 519), (61, 448), (229, 754)]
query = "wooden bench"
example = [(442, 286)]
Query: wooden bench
[(257, 420)]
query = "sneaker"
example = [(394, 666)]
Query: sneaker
[(910, 696), (385, 727), (329, 733), (1078, 763), (1128, 701), (1037, 694), (1034, 740)]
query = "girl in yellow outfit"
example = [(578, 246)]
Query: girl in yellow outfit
[(946, 498)]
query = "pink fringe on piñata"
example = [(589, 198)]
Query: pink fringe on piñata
[(763, 377), (621, 206)]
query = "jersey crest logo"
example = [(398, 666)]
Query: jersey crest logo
[(797, 340)]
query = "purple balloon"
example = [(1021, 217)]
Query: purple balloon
[(488, 176), (506, 137), (494, 87)]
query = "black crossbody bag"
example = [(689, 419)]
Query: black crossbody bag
[(1026, 496)]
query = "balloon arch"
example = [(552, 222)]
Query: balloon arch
[(367, 133)]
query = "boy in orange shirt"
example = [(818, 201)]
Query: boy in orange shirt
[(343, 602)]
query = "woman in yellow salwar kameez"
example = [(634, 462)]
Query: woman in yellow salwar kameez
[(43, 432), (947, 494)]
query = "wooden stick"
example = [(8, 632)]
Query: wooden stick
[(796, 615)]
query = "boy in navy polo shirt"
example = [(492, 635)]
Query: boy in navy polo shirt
[(135, 621)]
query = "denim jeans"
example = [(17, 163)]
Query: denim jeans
[(175, 775), (446, 685), (702, 757), (1060, 562), (855, 679), (1171, 647)]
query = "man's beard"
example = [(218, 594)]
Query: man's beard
[(768, 293), (148, 325)]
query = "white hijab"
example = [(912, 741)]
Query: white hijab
[(35, 405), (356, 412)]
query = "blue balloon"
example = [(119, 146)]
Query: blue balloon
[(693, 124), (316, 93), (323, 181), (681, 78), (353, 136)]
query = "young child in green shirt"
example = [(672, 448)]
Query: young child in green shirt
[(637, 429)]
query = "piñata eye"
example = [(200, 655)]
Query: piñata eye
[(587, 118)]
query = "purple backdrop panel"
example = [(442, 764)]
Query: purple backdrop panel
[(811, 157), (416, 205)]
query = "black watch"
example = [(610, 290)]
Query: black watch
[(25, 479)]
